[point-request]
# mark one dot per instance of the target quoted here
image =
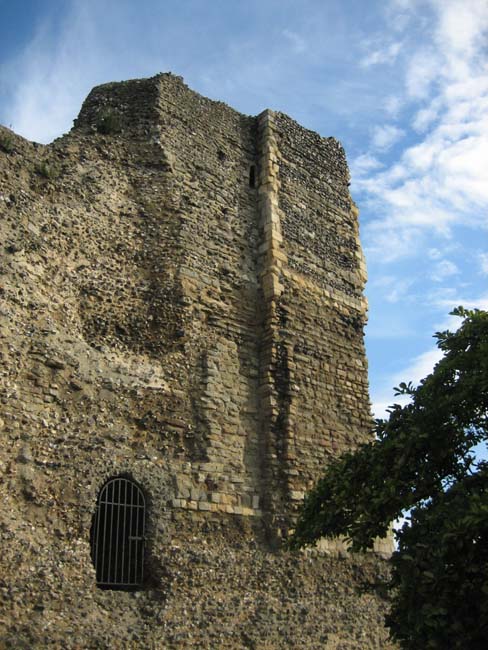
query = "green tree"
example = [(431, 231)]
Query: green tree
[(422, 461)]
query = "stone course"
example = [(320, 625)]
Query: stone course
[(180, 302)]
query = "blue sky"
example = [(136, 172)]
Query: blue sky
[(402, 83)]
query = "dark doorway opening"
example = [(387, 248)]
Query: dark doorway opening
[(117, 535)]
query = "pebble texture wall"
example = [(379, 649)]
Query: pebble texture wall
[(181, 303)]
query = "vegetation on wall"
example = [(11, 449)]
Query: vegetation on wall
[(108, 122), (6, 142), (46, 170), (423, 462)]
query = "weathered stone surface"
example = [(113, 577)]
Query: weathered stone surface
[(180, 302)]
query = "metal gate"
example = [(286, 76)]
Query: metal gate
[(118, 535)]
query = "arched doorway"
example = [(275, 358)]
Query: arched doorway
[(117, 536)]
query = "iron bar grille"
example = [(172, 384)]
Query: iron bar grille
[(118, 535)]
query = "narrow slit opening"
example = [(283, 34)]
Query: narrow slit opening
[(252, 176)]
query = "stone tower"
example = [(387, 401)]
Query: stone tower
[(182, 310)]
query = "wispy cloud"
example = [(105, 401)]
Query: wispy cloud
[(450, 298), (420, 367), (297, 43), (252, 55), (381, 55), (51, 76), (392, 105), (417, 369), (426, 116), (452, 323), (384, 137), (393, 288), (441, 180), (444, 269), (483, 261), (364, 165), (422, 364)]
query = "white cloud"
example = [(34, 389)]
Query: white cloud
[(420, 367), (461, 25), (444, 269), (381, 404), (434, 253), (451, 323), (385, 242), (423, 364), (364, 164), (449, 301), (382, 55), (56, 70), (392, 288), (441, 181), (422, 71), (384, 137), (298, 44), (393, 105), (448, 298), (426, 116), (404, 5), (483, 260)]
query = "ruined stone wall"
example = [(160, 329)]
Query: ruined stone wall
[(180, 292), (322, 310)]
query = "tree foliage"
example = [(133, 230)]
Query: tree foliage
[(422, 462)]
